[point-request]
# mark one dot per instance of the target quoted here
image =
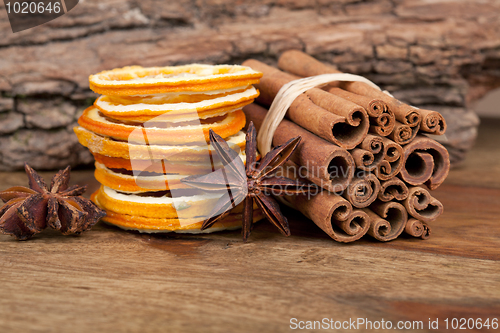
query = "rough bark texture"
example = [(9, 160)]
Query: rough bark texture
[(439, 55)]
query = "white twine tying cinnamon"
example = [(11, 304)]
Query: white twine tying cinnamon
[(288, 93)]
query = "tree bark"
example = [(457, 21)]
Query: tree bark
[(439, 55)]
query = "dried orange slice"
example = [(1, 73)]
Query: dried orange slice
[(129, 183), (188, 206), (143, 180), (180, 118), (151, 225), (161, 166), (195, 131), (136, 80), (110, 147), (186, 203), (166, 104), (157, 166), (178, 96)]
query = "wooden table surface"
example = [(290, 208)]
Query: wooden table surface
[(113, 280)]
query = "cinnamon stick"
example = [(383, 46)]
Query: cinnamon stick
[(333, 214), (299, 63), (393, 189), (330, 117), (425, 161), (384, 124), (387, 220), (374, 107), (302, 64), (417, 228), (414, 227), (422, 206), (369, 153), (363, 190), (403, 134), (380, 155), (324, 163), (392, 162), (381, 118), (432, 122)]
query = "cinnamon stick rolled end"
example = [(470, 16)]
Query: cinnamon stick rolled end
[(418, 168), (369, 153), (372, 143), (376, 107), (403, 134), (340, 171), (352, 228), (334, 215), (379, 228), (432, 122), (425, 162), (363, 190), (422, 206), (392, 161), (414, 228), (412, 118), (384, 124), (393, 189), (349, 134), (387, 220)]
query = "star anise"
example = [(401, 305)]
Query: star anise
[(27, 211), (255, 182)]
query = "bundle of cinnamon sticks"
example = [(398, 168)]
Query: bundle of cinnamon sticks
[(368, 152)]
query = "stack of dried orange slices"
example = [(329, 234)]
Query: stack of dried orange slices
[(149, 129)]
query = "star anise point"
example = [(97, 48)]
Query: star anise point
[(27, 211), (253, 183)]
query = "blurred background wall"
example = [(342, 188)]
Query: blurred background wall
[(489, 105), (442, 55)]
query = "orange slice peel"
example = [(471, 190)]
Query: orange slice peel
[(143, 180), (196, 131), (160, 105), (136, 80), (195, 153), (192, 225)]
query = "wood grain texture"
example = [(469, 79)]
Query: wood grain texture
[(112, 280)]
